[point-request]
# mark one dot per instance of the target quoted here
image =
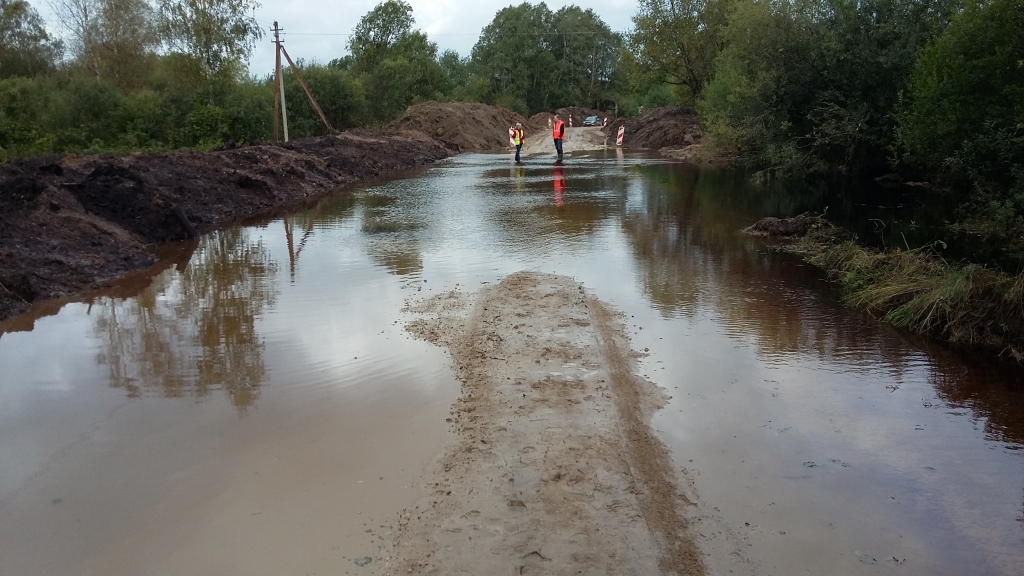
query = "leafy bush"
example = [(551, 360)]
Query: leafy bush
[(811, 86), (206, 127), (964, 118)]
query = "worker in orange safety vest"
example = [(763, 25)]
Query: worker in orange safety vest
[(558, 134)]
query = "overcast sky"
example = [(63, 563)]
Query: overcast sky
[(317, 29)]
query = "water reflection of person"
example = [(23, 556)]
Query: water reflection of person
[(559, 180), (517, 173)]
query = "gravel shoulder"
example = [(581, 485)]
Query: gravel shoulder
[(551, 466)]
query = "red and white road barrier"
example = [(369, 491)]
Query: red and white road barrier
[(618, 139), (570, 120), (605, 123), (512, 137)]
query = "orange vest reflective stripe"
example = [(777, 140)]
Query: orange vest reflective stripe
[(555, 132), (518, 136)]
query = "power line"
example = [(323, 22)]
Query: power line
[(463, 34)]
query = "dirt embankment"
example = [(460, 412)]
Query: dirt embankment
[(672, 130), (471, 126), (75, 223), (551, 467)]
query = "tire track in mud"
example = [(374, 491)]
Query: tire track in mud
[(551, 466), (649, 457)]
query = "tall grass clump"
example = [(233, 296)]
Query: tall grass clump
[(919, 291)]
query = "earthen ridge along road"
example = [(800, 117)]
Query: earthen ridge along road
[(551, 466)]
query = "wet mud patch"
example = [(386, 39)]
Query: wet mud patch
[(551, 467), (118, 194)]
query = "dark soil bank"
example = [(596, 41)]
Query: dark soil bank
[(666, 127), (75, 223)]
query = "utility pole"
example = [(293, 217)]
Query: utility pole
[(279, 85)]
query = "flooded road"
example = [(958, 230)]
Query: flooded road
[(257, 407)]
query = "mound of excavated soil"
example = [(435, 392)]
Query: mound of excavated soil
[(667, 127), (78, 222), (539, 121), (469, 125), (771, 227)]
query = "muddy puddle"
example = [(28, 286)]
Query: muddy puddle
[(257, 406)]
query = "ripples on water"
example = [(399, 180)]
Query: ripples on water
[(310, 304)]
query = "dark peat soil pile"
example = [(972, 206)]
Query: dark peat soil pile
[(657, 128)]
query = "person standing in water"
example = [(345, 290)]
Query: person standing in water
[(518, 137), (558, 134)]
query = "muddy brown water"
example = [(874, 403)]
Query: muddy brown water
[(256, 406)]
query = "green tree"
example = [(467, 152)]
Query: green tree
[(811, 85), (534, 59), (340, 95), (970, 77), (964, 117), (587, 51), (396, 64), (25, 47), (455, 68), (378, 32), (512, 55), (678, 40), (114, 39), (217, 33)]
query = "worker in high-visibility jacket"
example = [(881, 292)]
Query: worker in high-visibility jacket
[(518, 137), (558, 134)]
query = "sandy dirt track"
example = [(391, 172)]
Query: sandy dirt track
[(551, 467), (576, 139)]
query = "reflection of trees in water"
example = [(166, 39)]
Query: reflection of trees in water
[(993, 391), (391, 231), (399, 255), (578, 217), (567, 205), (691, 256), (193, 331), (683, 230), (1021, 517), (299, 228)]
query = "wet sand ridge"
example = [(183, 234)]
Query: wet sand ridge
[(551, 467)]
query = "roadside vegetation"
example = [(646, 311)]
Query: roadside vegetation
[(932, 91), (127, 75), (915, 289), (925, 91)]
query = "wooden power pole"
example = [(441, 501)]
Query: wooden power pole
[(279, 85)]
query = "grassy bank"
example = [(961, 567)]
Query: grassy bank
[(917, 290)]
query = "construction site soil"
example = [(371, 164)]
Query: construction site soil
[(470, 126), (75, 223), (672, 130)]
